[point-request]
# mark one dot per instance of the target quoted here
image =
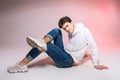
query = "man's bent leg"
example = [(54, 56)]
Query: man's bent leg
[(56, 49)]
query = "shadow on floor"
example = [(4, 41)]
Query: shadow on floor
[(42, 62)]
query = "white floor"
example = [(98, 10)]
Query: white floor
[(42, 69)]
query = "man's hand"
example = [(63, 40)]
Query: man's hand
[(42, 49), (101, 67)]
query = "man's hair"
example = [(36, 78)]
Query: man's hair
[(63, 20)]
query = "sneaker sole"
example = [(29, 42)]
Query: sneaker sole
[(32, 43), (18, 71)]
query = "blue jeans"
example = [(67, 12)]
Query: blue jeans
[(55, 50)]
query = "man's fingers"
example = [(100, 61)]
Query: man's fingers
[(101, 67)]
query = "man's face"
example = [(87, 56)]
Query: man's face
[(68, 27)]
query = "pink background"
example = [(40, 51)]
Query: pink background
[(22, 18)]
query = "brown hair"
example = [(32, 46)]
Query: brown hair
[(63, 20)]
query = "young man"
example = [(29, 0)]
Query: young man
[(80, 38)]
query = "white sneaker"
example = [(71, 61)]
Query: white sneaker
[(36, 44), (17, 68)]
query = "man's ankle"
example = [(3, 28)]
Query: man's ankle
[(21, 64)]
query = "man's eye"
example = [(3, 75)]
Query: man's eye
[(66, 25)]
